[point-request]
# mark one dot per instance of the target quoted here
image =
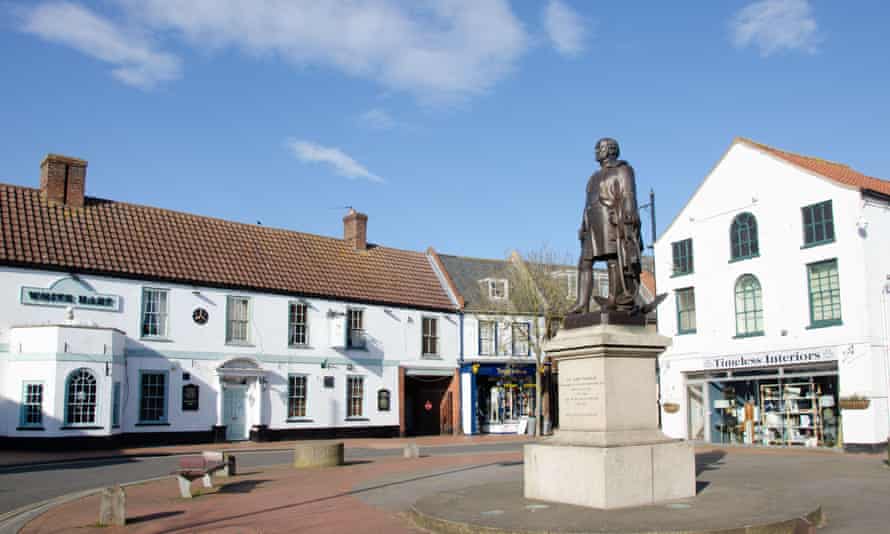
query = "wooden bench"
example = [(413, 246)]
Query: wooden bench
[(201, 466)]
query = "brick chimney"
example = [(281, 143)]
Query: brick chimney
[(355, 229), (63, 179)]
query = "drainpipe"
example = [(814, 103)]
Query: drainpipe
[(884, 290)]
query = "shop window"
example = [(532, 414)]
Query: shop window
[(430, 341), (116, 405), (825, 294), (80, 398), (153, 397), (796, 411), (238, 320), (748, 307), (685, 310), (743, 237), (520, 338), (32, 405), (383, 400), (297, 324), (296, 396), (154, 312), (487, 338), (818, 224), (503, 400), (355, 396), (682, 257), (355, 334)]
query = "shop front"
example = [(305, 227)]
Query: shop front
[(784, 406), (502, 396)]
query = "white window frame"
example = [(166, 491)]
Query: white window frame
[(293, 397), (27, 400), (492, 284), (77, 409), (245, 322), (351, 396), (153, 299), (355, 337), (293, 326), (427, 338), (494, 338), (528, 338), (164, 396)]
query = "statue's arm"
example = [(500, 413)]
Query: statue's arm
[(628, 185)]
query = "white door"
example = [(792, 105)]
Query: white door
[(234, 400), (696, 411)]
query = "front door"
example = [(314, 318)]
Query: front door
[(233, 412)]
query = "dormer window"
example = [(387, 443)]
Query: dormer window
[(497, 288)]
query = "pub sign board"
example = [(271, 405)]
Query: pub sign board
[(190, 398), (67, 292)]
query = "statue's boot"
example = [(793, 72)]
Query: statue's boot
[(585, 286)]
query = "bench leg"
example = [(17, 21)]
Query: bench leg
[(185, 487), (207, 482)]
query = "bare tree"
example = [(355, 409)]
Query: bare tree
[(541, 283)]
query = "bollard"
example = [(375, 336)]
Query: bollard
[(411, 450), (230, 469), (318, 454), (113, 507)]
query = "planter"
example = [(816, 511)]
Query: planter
[(854, 403), (671, 407)]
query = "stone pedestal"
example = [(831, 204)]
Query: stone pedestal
[(608, 451)]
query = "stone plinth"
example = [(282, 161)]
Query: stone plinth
[(608, 451), (113, 507)]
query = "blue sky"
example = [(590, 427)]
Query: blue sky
[(461, 124)]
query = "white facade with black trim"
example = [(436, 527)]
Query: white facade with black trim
[(777, 279), (135, 357)]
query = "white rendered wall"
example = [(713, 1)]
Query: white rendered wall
[(393, 341), (747, 180)]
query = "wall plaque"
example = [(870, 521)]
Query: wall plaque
[(190, 396)]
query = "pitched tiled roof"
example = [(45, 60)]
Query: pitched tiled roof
[(834, 171), (467, 274), (127, 240)]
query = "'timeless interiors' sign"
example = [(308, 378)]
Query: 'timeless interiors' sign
[(70, 292), (767, 359)]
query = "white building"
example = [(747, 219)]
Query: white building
[(132, 324), (777, 269)]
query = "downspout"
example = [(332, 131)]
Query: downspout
[(886, 344)]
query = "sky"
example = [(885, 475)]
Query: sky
[(465, 125)]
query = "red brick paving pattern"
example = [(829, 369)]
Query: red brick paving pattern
[(271, 500)]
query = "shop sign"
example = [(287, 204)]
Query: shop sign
[(69, 292), (767, 359), (512, 372)]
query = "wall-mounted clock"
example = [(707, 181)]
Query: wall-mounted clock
[(200, 316)]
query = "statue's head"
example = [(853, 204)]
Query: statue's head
[(607, 149)]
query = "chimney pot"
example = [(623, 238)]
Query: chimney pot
[(355, 229), (63, 179)]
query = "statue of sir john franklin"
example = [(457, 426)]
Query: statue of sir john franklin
[(610, 232)]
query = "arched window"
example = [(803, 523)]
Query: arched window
[(748, 307), (743, 237), (80, 398)]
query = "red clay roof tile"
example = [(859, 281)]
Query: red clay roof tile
[(120, 239)]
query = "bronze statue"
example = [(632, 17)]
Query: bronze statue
[(610, 232)]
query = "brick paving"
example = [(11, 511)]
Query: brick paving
[(267, 500), (19, 457)]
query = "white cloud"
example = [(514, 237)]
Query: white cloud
[(342, 163), (565, 28), (774, 25), (377, 119), (136, 61), (437, 50)]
